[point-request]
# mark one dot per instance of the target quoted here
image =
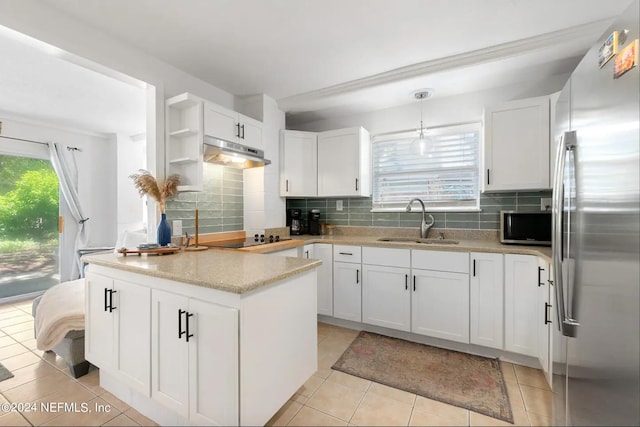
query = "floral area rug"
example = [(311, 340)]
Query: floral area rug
[(465, 380)]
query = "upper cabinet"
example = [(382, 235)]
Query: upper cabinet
[(344, 163), (299, 165), (229, 125), (188, 119), (516, 145), (184, 140), (335, 163)]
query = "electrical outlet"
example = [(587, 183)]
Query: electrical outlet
[(545, 203), (339, 206), (176, 226)]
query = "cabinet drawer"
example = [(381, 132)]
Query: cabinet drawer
[(386, 256), (346, 253), (456, 262)]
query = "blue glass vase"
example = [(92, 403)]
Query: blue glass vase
[(164, 231)]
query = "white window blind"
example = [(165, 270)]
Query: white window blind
[(445, 177)]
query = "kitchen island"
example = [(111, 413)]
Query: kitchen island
[(202, 338)]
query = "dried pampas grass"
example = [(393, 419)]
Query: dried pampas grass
[(146, 184)]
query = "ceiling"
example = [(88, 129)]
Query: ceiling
[(325, 58)]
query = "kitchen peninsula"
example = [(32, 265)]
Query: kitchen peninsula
[(202, 338)]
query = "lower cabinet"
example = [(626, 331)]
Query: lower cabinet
[(440, 304), (118, 315), (545, 318), (347, 282), (486, 299), (386, 298), (195, 358), (323, 252), (521, 312)]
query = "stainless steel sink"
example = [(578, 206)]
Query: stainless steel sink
[(435, 241)]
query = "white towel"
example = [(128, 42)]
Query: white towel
[(61, 310)]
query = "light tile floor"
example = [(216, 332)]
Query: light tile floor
[(328, 398)]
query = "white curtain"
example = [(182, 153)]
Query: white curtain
[(69, 187)]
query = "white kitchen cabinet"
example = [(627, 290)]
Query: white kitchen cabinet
[(184, 139), (516, 145), (344, 163), (229, 125), (545, 313), (486, 300), (521, 312), (299, 164), (323, 252), (195, 359), (119, 316), (347, 282), (440, 299), (386, 298)]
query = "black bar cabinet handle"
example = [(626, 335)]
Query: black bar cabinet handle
[(357, 276), (546, 313), (540, 270), (238, 130), (111, 307), (356, 184), (307, 252), (488, 176), (242, 127), (106, 304), (406, 282), (287, 185), (346, 253), (414, 283), (187, 331), (474, 268), (180, 331)]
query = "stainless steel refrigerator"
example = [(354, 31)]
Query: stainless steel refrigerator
[(596, 244)]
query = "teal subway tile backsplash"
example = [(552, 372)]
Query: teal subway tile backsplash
[(220, 205), (357, 211)]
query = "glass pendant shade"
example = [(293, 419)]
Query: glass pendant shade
[(421, 145)]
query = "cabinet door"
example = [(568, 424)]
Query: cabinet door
[(440, 304), (544, 307), (521, 314), (486, 300), (169, 353), (213, 364), (250, 132), (386, 298), (132, 304), (324, 252), (299, 176), (347, 287), (220, 122), (516, 145), (339, 163), (100, 340)]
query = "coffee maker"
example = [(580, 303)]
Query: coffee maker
[(294, 221), (314, 222)]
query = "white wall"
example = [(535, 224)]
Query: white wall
[(130, 158), (96, 162), (263, 206), (437, 111)]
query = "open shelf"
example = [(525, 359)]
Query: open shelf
[(183, 160), (182, 133)]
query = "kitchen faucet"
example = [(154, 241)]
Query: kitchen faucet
[(424, 227)]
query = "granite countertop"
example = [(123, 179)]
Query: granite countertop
[(469, 245), (237, 272)]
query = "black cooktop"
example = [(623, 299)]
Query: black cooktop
[(256, 240)]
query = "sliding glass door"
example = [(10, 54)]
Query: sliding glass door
[(29, 212)]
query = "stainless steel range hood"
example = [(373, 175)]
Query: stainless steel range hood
[(232, 154)]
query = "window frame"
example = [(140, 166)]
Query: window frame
[(475, 126)]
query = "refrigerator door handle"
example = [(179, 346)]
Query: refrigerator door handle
[(566, 324)]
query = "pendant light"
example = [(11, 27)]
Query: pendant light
[(421, 144)]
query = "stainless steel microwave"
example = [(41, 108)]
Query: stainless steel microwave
[(525, 228)]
